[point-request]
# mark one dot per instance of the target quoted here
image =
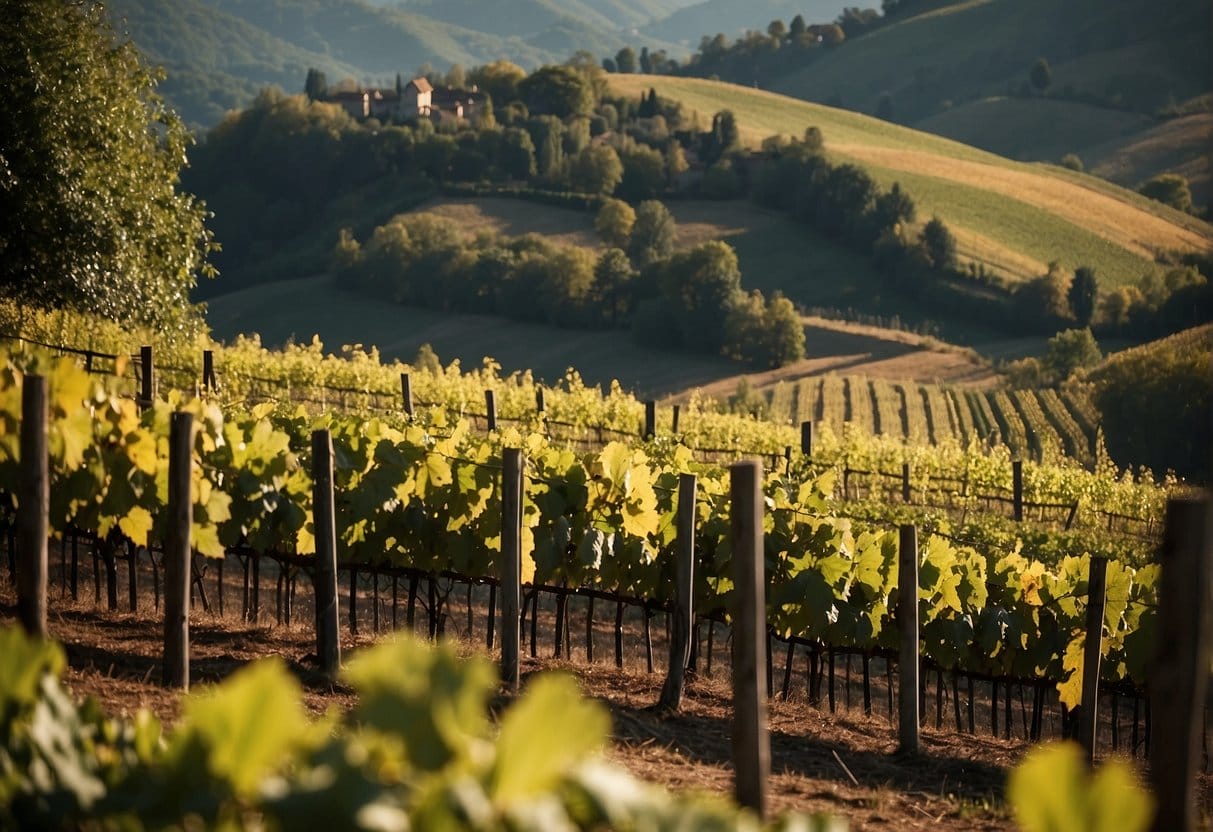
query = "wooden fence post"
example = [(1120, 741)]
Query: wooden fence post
[(684, 609), (511, 565), (806, 439), (650, 419), (406, 393), (1017, 488), (147, 389), (328, 644), (490, 406), (1180, 672), (1088, 722), (907, 623), (675, 419), (178, 552), (33, 512), (209, 382), (751, 743), (540, 404)]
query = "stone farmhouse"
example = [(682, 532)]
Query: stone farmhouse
[(416, 99)]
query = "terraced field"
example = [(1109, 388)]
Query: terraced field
[(1034, 424)]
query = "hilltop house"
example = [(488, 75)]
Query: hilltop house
[(412, 101)]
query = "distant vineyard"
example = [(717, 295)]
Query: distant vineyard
[(1035, 424)]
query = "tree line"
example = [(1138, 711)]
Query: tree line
[(673, 299)]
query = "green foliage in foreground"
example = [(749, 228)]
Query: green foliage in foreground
[(418, 751)]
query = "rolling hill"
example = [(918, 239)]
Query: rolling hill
[(688, 25), (218, 53), (1119, 70), (1013, 217)]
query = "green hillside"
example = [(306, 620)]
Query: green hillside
[(218, 53), (704, 19), (1014, 217), (1133, 52), (1116, 74)]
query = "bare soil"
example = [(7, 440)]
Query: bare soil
[(844, 763)]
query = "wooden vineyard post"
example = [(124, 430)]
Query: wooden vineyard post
[(490, 406), (806, 439), (751, 743), (1180, 672), (177, 553), (684, 610), (209, 383), (907, 623), (675, 418), (147, 389), (33, 512), (1088, 722), (1017, 488), (650, 419), (328, 645), (540, 404), (406, 393), (511, 565), (905, 482)]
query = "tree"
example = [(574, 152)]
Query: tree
[(701, 285), (1045, 299), (516, 154), (893, 208), (596, 170), (625, 60), (456, 77), (1040, 75), (797, 27), (1072, 161), (777, 30), (1169, 189), (653, 233), (609, 65), (91, 216), (499, 79), (316, 86), (1118, 306), (646, 62), (614, 222), (765, 333), (559, 91), (643, 172), (1082, 295), (938, 245), (613, 274), (1070, 351)]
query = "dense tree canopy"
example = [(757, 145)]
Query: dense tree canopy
[(90, 213)]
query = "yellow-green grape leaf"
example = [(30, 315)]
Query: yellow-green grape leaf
[(136, 525), (427, 697), (249, 726), (1053, 791), (205, 540), (543, 736), (1116, 801), (141, 448), (1070, 690), (1044, 790)]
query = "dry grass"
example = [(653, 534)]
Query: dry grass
[(1117, 221)]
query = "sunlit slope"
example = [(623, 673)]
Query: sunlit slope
[(1015, 217)]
